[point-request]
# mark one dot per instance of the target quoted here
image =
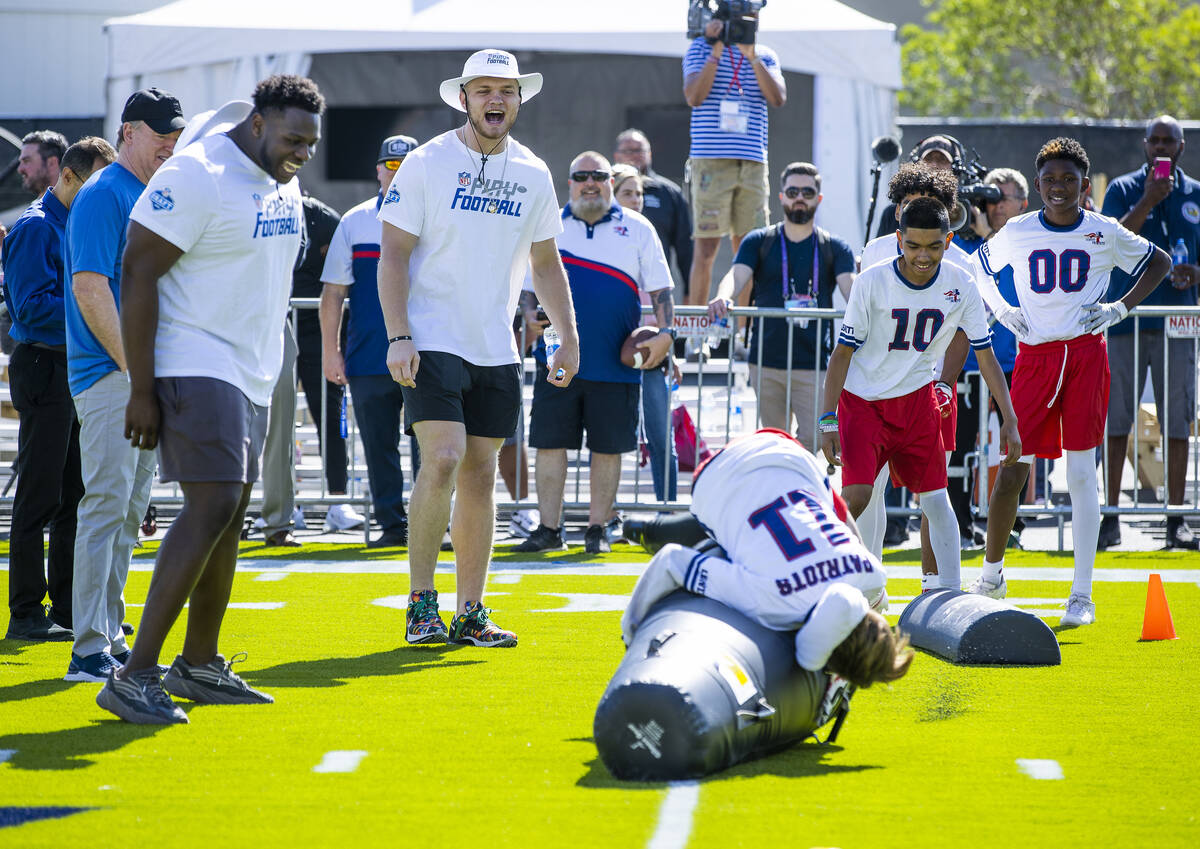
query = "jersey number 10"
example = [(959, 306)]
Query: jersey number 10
[(925, 327), (1068, 270)]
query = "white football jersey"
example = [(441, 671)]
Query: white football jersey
[(1060, 270), (767, 502), (900, 332), (887, 248)]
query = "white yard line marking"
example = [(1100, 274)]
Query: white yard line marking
[(1042, 770), (6, 754), (271, 576), (505, 578), (587, 603), (446, 601), (340, 761), (240, 605), (675, 816)]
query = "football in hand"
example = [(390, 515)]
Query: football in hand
[(635, 352)]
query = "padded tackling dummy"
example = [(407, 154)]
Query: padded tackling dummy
[(967, 628), (702, 688)]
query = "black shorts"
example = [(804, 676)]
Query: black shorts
[(210, 431), (607, 411), (486, 399)]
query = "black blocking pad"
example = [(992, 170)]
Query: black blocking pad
[(974, 629), (703, 688)]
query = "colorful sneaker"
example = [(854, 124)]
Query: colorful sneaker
[(476, 628), (423, 623), (982, 586), (213, 683), (93, 667), (140, 699), (1080, 611)]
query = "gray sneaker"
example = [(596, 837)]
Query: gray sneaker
[(214, 683), (140, 698)]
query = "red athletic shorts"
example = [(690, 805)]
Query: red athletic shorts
[(1060, 395), (904, 431)]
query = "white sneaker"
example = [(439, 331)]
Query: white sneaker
[(1080, 611), (982, 586), (259, 523), (524, 522), (342, 517), (298, 520)]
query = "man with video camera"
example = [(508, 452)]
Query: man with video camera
[(729, 82)]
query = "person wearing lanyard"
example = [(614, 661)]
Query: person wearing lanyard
[(778, 275), (729, 92), (1166, 211)]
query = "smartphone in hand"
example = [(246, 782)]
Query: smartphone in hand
[(1162, 168)]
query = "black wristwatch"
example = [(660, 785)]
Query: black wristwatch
[(671, 331)]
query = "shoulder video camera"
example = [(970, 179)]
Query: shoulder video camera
[(740, 18)]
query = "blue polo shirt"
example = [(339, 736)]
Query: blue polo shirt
[(33, 273), (1176, 217), (95, 241), (353, 261), (608, 263)]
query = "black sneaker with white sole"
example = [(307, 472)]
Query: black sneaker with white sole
[(140, 699), (214, 683), (543, 539), (92, 667)]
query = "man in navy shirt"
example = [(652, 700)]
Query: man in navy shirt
[(1164, 211), (116, 476), (351, 267), (48, 482), (794, 264)]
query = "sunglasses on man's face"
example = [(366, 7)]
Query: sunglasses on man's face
[(793, 192), (392, 164), (584, 176)]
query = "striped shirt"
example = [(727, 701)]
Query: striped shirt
[(734, 82)]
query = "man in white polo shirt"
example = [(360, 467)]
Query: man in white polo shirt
[(208, 271), (464, 216)]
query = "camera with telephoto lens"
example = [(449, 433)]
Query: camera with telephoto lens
[(740, 18), (972, 191)]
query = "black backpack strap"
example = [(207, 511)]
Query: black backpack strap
[(825, 264)]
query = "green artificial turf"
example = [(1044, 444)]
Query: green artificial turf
[(493, 746)]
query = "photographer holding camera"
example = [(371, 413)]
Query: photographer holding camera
[(729, 82)]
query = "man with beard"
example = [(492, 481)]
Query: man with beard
[(41, 160), (793, 264), (465, 215), (611, 255)]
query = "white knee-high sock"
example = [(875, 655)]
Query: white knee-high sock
[(1085, 516), (873, 521), (943, 537)]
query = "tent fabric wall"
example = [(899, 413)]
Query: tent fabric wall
[(854, 58)]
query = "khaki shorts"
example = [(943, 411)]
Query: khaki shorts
[(729, 196)]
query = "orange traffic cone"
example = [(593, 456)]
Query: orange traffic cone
[(1157, 623)]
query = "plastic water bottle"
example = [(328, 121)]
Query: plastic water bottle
[(342, 421), (1179, 253), (553, 343), (717, 330)]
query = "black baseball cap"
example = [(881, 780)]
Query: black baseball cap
[(938, 143), (158, 109), (396, 147)]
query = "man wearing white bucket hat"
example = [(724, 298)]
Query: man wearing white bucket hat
[(465, 214)]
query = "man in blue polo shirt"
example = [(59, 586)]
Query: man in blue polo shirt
[(729, 90), (116, 476), (609, 253), (48, 482), (351, 267), (1164, 211)]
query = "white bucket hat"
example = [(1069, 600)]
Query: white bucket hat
[(214, 121), (490, 63)]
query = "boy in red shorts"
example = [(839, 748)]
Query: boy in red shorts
[(1061, 259), (899, 321)]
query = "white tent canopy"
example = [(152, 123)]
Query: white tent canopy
[(208, 51)]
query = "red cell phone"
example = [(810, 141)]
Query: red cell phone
[(1162, 168)]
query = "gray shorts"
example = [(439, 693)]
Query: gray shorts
[(1129, 380), (210, 431)]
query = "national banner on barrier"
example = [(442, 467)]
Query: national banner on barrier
[(1183, 326)]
